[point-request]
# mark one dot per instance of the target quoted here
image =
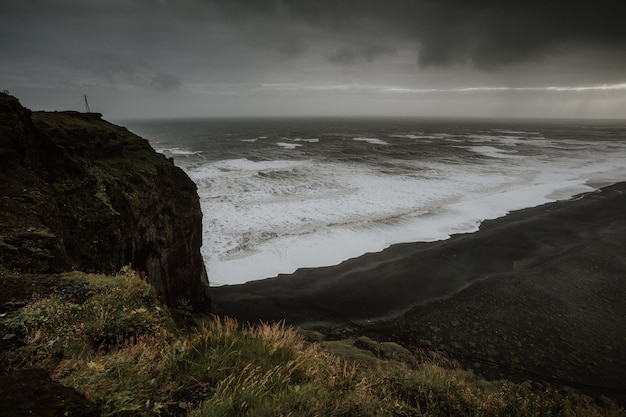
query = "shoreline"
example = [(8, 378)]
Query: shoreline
[(535, 295), (385, 284)]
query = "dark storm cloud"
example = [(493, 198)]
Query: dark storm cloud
[(119, 42), (485, 33), (315, 53), (111, 67)]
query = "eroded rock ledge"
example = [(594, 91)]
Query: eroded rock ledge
[(77, 192)]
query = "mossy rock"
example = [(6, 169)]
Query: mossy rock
[(385, 350)]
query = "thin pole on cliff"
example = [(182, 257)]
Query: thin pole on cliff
[(86, 104)]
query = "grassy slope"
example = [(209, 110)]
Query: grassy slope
[(110, 338)]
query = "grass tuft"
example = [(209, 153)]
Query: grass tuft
[(121, 348)]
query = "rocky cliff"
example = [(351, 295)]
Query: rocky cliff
[(77, 192)]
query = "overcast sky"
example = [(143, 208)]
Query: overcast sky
[(189, 58)]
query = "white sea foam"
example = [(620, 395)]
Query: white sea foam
[(373, 141), (413, 136), (493, 152), (496, 138), (253, 140), (288, 145), (267, 217), (516, 132), (309, 140), (177, 152)]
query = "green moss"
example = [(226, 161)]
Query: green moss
[(119, 310)]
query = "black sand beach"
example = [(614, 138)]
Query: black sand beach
[(539, 294)]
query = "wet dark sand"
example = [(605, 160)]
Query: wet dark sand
[(539, 294)]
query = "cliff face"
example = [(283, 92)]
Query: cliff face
[(77, 192)]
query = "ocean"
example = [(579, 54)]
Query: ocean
[(283, 194)]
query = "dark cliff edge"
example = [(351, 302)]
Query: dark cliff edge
[(79, 193)]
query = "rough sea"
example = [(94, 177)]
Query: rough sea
[(283, 194)]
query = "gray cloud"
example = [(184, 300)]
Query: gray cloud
[(486, 33), (114, 69), (192, 50), (165, 82)]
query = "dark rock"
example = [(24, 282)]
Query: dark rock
[(31, 392), (77, 192)]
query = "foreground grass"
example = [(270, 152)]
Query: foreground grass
[(111, 339)]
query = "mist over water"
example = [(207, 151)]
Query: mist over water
[(282, 194)]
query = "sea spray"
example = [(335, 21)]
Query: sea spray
[(278, 195)]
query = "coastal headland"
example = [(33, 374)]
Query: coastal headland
[(80, 193)]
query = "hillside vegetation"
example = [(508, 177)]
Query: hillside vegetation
[(110, 338)]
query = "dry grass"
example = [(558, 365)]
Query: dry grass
[(122, 349)]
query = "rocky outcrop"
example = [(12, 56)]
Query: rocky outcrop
[(77, 192)]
